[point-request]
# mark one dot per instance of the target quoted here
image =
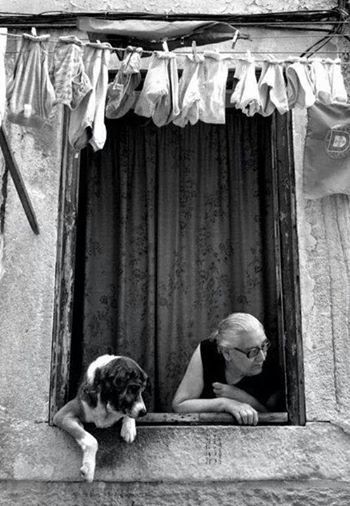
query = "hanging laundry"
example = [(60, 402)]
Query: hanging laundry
[(68, 76), (327, 151), (121, 93), (3, 41), (189, 91), (159, 98), (87, 119), (246, 93), (272, 88), (212, 81), (300, 90), (30, 94), (320, 79), (338, 91)]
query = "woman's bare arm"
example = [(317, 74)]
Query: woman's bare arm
[(187, 398), (233, 392)]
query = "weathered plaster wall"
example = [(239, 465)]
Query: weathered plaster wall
[(27, 286), (166, 6), (317, 456), (324, 249)]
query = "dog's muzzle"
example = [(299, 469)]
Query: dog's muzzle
[(138, 410)]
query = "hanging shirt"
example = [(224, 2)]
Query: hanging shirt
[(338, 91), (159, 98), (246, 93), (212, 77), (30, 94), (327, 151), (272, 88), (189, 91), (68, 75), (321, 81), (121, 93), (87, 123), (300, 90)]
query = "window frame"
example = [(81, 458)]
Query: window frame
[(287, 275)]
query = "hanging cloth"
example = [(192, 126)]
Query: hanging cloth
[(321, 81), (3, 41), (30, 94), (159, 98), (121, 93), (150, 34), (300, 90), (246, 93), (338, 90), (327, 151), (189, 91), (87, 120), (272, 88), (68, 75), (212, 82)]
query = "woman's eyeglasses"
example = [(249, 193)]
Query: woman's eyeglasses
[(254, 352)]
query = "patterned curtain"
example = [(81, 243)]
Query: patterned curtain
[(176, 232)]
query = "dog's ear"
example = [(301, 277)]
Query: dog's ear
[(89, 393), (119, 376)]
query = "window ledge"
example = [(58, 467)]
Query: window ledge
[(207, 419)]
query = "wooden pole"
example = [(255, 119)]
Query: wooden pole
[(18, 182)]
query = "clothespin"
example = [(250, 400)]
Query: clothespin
[(234, 38), (33, 36), (165, 45)]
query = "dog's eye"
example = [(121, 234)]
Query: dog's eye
[(133, 389)]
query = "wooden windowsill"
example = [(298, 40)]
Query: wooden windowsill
[(207, 419)]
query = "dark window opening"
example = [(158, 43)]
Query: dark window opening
[(176, 230)]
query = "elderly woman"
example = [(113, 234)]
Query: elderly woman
[(226, 373)]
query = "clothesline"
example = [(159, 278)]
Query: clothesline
[(256, 37), (229, 53), (184, 53)]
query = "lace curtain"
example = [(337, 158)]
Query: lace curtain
[(175, 233)]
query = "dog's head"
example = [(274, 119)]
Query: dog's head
[(120, 384)]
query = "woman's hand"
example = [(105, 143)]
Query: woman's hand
[(242, 412), (224, 390), (232, 392)]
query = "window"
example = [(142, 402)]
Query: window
[(180, 198)]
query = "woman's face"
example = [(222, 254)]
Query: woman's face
[(242, 344)]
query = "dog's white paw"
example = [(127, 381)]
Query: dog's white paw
[(87, 471), (128, 431), (89, 446)]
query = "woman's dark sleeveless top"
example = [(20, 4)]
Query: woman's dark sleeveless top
[(261, 386)]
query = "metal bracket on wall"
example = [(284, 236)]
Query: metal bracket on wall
[(18, 182)]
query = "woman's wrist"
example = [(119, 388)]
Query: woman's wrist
[(227, 404)]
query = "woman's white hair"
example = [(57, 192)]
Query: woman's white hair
[(233, 325)]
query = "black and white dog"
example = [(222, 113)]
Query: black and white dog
[(111, 390)]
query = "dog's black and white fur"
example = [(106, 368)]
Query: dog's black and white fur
[(111, 390)]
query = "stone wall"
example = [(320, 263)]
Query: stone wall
[(175, 494)]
